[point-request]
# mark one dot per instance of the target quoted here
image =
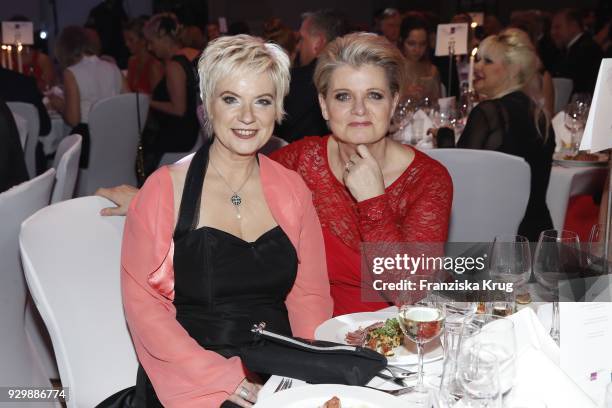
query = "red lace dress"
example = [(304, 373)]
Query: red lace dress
[(415, 208)]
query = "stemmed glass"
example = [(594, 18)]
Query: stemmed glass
[(402, 117), (421, 317), (575, 119), (510, 262), (557, 258)]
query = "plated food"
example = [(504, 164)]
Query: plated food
[(581, 159), (382, 337)]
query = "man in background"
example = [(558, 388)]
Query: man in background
[(580, 55), (304, 116)]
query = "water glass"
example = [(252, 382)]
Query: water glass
[(497, 335), (478, 375)]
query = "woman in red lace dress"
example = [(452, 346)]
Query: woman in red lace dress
[(366, 187)]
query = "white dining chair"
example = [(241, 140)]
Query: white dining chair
[(66, 163), (173, 157), (490, 192), (71, 257), (563, 92), (114, 137), (30, 114), (20, 363), (22, 128)]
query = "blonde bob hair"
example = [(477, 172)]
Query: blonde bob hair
[(516, 50), (240, 54), (359, 49)]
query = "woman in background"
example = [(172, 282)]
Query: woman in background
[(510, 121), (423, 76), (172, 125), (144, 70), (87, 79)]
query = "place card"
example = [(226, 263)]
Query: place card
[(451, 38), (598, 130), (17, 32), (586, 336)]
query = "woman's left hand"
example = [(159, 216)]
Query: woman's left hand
[(56, 102), (363, 176), (246, 394)]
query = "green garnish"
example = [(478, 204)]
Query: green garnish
[(391, 328)]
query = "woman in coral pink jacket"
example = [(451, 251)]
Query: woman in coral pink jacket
[(226, 240)]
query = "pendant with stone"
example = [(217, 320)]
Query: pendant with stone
[(236, 200)]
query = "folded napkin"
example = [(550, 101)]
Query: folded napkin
[(530, 333), (562, 134), (538, 378)]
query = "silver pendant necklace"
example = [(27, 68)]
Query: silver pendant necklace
[(235, 199)]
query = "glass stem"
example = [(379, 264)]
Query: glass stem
[(554, 328), (420, 353)]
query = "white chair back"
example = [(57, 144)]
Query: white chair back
[(173, 157), (71, 258), (22, 128), (30, 114), (114, 137), (273, 144), (490, 192), (66, 163), (563, 91), (18, 365)]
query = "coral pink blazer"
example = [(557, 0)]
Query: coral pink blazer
[(183, 373)]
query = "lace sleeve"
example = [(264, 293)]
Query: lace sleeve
[(484, 128)]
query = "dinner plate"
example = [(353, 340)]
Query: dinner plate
[(314, 396), (600, 162), (336, 329)]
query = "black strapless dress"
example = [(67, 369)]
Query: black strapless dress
[(223, 284)]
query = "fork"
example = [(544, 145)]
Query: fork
[(396, 393), (284, 384)]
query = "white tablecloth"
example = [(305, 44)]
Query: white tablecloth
[(566, 182)]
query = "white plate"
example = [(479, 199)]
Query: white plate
[(602, 161), (336, 329), (314, 396)]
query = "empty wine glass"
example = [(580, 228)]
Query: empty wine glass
[(421, 317), (510, 262), (575, 119), (557, 258)]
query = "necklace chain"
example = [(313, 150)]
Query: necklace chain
[(235, 199)]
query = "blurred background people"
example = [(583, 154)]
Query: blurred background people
[(303, 113), (86, 79), (423, 76), (580, 56), (172, 124), (144, 70)]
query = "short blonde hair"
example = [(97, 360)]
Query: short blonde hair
[(237, 54), (359, 49), (516, 49)]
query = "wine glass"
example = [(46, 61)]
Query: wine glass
[(510, 262), (575, 119), (557, 258), (478, 377), (421, 318)]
